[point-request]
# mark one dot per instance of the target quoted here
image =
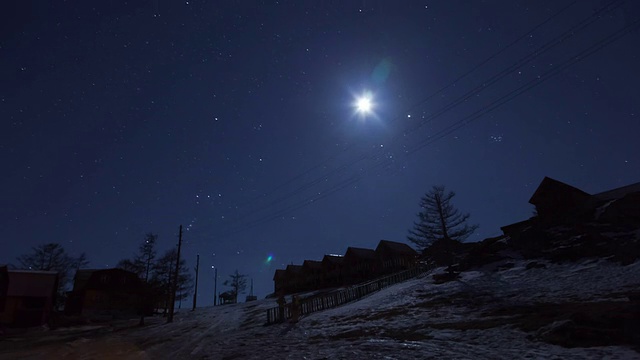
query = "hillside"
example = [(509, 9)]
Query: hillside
[(586, 309)]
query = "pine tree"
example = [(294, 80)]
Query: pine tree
[(439, 220)]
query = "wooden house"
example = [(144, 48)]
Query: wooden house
[(280, 283), (361, 264), (109, 293), (557, 202), (4, 286), (333, 270), (29, 297), (395, 256), (295, 278), (620, 205), (312, 274), (618, 193), (514, 230)]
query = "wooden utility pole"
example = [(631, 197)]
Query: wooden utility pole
[(195, 292), (215, 287), (172, 304)]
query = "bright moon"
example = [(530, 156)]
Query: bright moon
[(364, 104)]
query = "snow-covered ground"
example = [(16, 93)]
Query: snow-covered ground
[(463, 319)]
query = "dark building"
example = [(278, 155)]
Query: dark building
[(514, 230), (619, 206), (556, 201), (280, 282), (312, 274), (109, 293), (361, 264), (395, 256), (4, 286), (559, 203), (29, 297), (295, 278), (355, 266), (618, 193), (333, 269)]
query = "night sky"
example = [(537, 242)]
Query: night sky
[(237, 120)]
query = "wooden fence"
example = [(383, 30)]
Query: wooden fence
[(339, 297)]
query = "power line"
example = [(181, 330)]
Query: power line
[(458, 125), (453, 104), (463, 122), (420, 103), (529, 85)]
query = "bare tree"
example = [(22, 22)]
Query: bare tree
[(147, 253), (129, 265), (52, 257), (162, 278), (439, 220), (237, 283), (81, 261), (143, 261)]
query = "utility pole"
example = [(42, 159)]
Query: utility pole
[(195, 292), (172, 304), (215, 286)]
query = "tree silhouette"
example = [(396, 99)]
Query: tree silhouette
[(143, 261), (52, 257), (162, 279), (237, 283), (439, 220), (147, 253)]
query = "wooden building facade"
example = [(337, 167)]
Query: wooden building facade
[(357, 265)]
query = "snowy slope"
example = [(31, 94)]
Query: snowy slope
[(473, 318)]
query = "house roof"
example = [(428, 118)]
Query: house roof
[(312, 264), (32, 283), (23, 271), (334, 259), (618, 193), (516, 225), (361, 253), (279, 274), (294, 268), (397, 247), (551, 185), (81, 278), (83, 275)]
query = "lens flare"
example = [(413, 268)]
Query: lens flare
[(269, 259)]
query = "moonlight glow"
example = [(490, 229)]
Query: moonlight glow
[(364, 105)]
